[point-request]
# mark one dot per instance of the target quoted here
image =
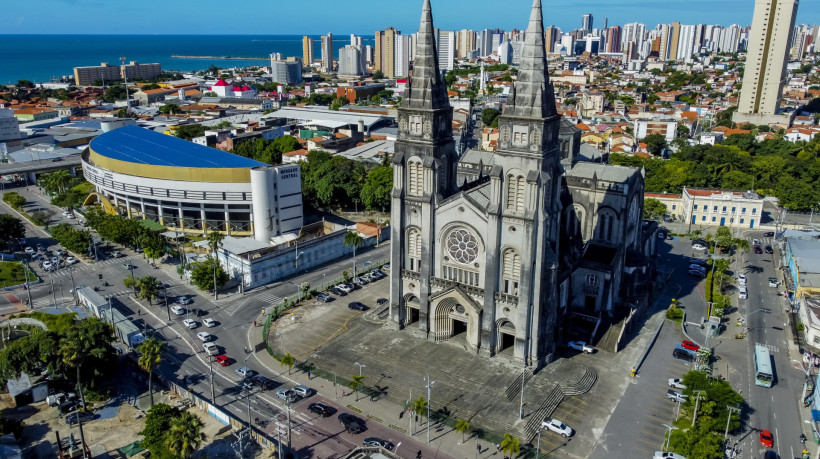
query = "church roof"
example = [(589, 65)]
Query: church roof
[(221, 82), (604, 172), (481, 195), (426, 90)]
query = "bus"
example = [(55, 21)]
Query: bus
[(682, 353), (763, 366)]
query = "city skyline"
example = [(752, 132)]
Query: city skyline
[(61, 16)]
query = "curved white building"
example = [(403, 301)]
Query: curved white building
[(193, 188)]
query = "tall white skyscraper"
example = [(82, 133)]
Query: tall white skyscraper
[(351, 61), (686, 42), (586, 23), (327, 52), (765, 74), (402, 55), (446, 44)]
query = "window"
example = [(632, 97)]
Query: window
[(714, 208), (511, 272), (754, 211), (415, 178), (516, 187), (414, 249), (724, 208), (704, 218), (714, 219), (674, 206), (741, 220), (734, 209), (742, 210), (696, 207)]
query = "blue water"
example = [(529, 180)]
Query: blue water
[(41, 57)]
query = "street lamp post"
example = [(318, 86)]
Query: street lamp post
[(360, 367), (167, 309), (521, 400), (669, 435), (429, 385), (28, 287), (211, 365), (73, 286)]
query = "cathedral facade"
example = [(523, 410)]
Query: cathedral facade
[(501, 257)]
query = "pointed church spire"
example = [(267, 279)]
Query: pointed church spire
[(533, 94), (426, 89)]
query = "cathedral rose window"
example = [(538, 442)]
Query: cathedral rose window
[(462, 246)]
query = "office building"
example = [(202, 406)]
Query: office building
[(9, 126), (613, 39), (307, 50), (489, 41), (85, 76), (586, 24), (663, 43), (285, 72), (551, 35), (384, 54), (446, 42), (765, 74), (734, 209), (351, 61), (327, 53)]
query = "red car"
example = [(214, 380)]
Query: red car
[(758, 250), (690, 345), (223, 360), (766, 439)]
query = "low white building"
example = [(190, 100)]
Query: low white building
[(735, 209), (665, 127)]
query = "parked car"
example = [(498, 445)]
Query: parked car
[(378, 272), (741, 279), (699, 247), (59, 252), (321, 409), (29, 250), (128, 265), (374, 442), (70, 260), (263, 382), (769, 249), (357, 306), (178, 310), (324, 297), (287, 395), (557, 426), (78, 416), (204, 336), (222, 359), (190, 323), (386, 268), (68, 406), (244, 372), (755, 241), (758, 250), (662, 455), (303, 391), (766, 439), (773, 282), (676, 383), (337, 291), (694, 267), (351, 423), (360, 281), (209, 322), (581, 346), (382, 301), (686, 344), (344, 288), (675, 396), (116, 254), (768, 234), (184, 300), (697, 273), (743, 293), (211, 348), (698, 261), (47, 265)]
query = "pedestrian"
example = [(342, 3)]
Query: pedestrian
[(308, 376), (371, 397), (254, 323), (343, 392), (497, 448)]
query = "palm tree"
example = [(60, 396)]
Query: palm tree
[(352, 238), (185, 434), (215, 239), (288, 360), (419, 406), (151, 350), (148, 288), (463, 427), (510, 445), (356, 383)]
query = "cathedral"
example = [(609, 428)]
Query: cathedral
[(516, 251)]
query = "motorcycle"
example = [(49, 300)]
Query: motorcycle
[(260, 422)]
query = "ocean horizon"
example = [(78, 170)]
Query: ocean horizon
[(43, 57)]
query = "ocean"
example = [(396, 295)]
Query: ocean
[(40, 58)]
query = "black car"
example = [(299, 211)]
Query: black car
[(382, 301), (69, 406), (758, 250), (320, 409), (769, 249), (338, 292), (378, 443), (324, 297), (769, 234), (357, 306), (263, 382), (351, 423), (78, 416)]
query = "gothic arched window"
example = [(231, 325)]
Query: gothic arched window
[(414, 249), (516, 187), (511, 271), (415, 179)]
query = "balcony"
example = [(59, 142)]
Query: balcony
[(446, 283), (506, 298), (412, 275)]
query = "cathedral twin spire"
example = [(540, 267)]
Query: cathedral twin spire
[(426, 89)]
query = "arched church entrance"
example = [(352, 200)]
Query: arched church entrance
[(506, 338), (453, 319), (412, 311)]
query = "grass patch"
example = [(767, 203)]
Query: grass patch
[(14, 273), (54, 322)]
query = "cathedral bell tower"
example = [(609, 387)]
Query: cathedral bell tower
[(424, 162)]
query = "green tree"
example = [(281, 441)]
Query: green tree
[(419, 406), (153, 245), (288, 361), (74, 240), (463, 427), (55, 182), (170, 109), (89, 343), (155, 433), (376, 192), (11, 229), (356, 383), (185, 434), (353, 239), (652, 98), (25, 84), (202, 274), (14, 200), (510, 445), (653, 208), (488, 116), (189, 131), (378, 75), (655, 143), (151, 355), (148, 288)]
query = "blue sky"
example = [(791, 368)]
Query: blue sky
[(357, 16)]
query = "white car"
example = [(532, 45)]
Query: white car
[(581, 346), (204, 336), (190, 323), (699, 247), (344, 288), (676, 383), (178, 310), (47, 265), (209, 322), (184, 300), (211, 348), (773, 282), (29, 250), (662, 455), (558, 427), (741, 279), (743, 293), (70, 260)]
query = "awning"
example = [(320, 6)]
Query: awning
[(132, 449)]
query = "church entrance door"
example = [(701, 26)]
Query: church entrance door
[(590, 302), (459, 327), (507, 343)]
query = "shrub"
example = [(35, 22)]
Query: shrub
[(674, 313)]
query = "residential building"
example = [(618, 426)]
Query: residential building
[(9, 126), (351, 61), (674, 39), (401, 64), (85, 76), (489, 41), (286, 72), (551, 35), (465, 43), (384, 55), (736, 209), (327, 53), (667, 128), (28, 114), (307, 50), (765, 74), (446, 42)]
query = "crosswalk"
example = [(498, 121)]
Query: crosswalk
[(269, 298), (98, 266)]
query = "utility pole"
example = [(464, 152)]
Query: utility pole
[(211, 365), (521, 400), (537, 448), (28, 287), (73, 286), (429, 385), (698, 396), (729, 418)]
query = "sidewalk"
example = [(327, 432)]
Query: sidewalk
[(444, 441)]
